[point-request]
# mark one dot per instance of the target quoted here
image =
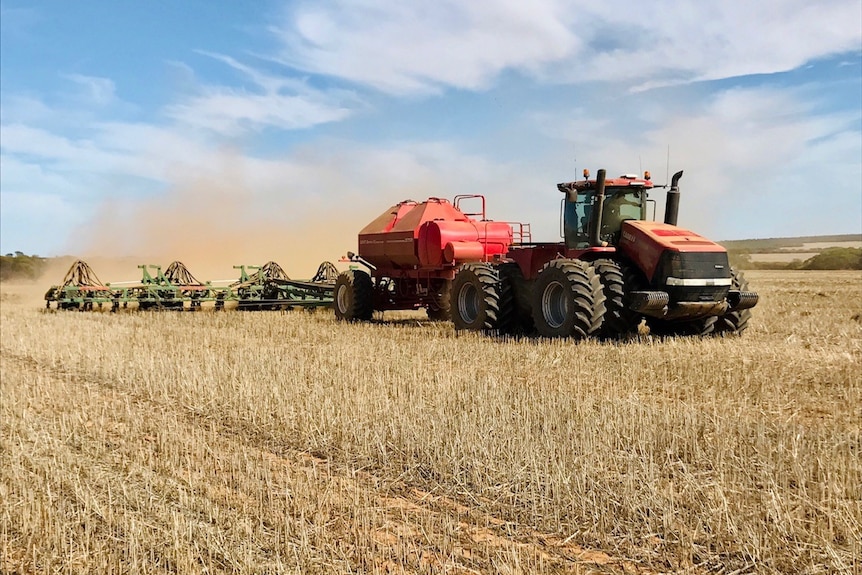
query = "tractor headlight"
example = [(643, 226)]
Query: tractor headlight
[(670, 265)]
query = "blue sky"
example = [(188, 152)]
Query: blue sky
[(269, 128)]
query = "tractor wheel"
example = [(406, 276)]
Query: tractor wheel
[(702, 327), (480, 301), (568, 300), (734, 322), (354, 292), (511, 274), (618, 279), (440, 308)]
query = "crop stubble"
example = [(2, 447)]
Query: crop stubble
[(287, 442)]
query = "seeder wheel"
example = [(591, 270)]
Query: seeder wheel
[(354, 292)]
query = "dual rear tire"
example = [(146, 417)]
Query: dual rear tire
[(480, 301), (568, 300), (618, 280)]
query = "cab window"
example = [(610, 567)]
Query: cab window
[(576, 221), (619, 205)]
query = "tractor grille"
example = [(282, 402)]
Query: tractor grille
[(691, 274)]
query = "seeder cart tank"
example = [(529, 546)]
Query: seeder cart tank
[(411, 253)]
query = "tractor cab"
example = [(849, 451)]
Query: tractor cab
[(623, 198)]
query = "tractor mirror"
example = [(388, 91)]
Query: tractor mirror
[(570, 190)]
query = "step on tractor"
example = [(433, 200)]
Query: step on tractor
[(613, 270)]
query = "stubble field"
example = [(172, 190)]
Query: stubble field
[(288, 443)]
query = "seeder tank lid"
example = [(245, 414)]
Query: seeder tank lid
[(409, 215)]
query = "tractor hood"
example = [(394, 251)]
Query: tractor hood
[(646, 242)]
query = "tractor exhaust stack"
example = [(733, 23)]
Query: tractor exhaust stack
[(671, 210), (598, 208)]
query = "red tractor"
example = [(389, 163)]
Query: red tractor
[(614, 268)]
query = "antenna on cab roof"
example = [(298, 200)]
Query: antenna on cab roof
[(576, 162), (667, 168)]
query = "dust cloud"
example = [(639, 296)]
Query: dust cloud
[(212, 222)]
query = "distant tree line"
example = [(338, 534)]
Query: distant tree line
[(771, 245), (18, 266), (828, 259)]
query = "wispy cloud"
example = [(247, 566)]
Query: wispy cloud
[(404, 47), (718, 40), (232, 112), (20, 139), (281, 102), (100, 91), (424, 47), (83, 143)]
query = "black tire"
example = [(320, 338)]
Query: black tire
[(734, 322), (480, 301), (172, 303), (437, 314), (353, 296), (702, 327), (568, 300), (440, 308), (246, 303), (617, 279), (145, 303), (522, 321)]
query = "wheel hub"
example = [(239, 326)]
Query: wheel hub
[(555, 304), (468, 303), (341, 299)]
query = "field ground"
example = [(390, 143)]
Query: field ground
[(288, 443)]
